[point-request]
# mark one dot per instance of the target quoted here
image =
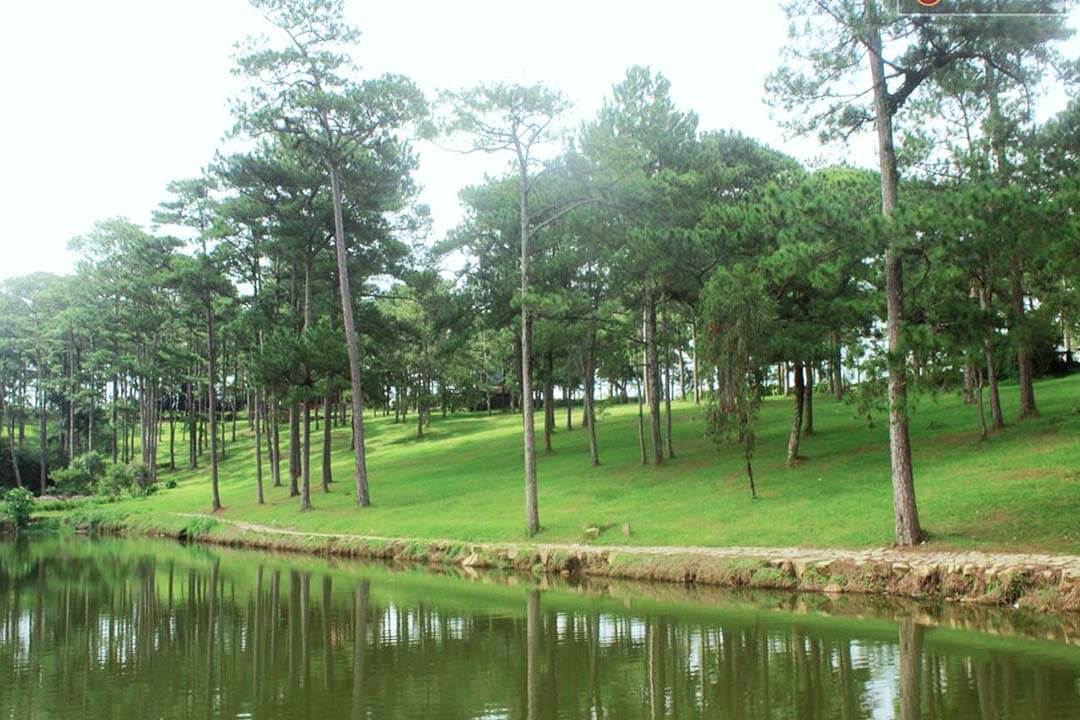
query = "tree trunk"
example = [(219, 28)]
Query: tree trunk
[(327, 471), (798, 398), (996, 415), (1023, 345), (905, 511), (305, 461), (837, 367), (532, 506), (193, 428), (641, 425), (274, 440), (42, 433), (808, 402), (568, 396), (652, 377), (172, 437), (210, 405), (983, 431), (363, 496), (258, 412), (697, 382), (589, 381), (667, 409), (549, 401), (5, 411), (294, 449)]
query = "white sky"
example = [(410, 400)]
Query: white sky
[(107, 101)]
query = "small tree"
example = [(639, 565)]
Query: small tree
[(519, 120), (739, 319), (18, 505)]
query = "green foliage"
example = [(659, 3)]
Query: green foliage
[(81, 474), (121, 479), (18, 505)]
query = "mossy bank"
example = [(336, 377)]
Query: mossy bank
[(1044, 583)]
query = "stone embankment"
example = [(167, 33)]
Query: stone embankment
[(1036, 581)]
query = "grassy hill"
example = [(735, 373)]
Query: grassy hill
[(1018, 490)]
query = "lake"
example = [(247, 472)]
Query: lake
[(128, 629)]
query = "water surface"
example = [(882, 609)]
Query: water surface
[(144, 629)]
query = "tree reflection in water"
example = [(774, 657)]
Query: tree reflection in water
[(138, 630)]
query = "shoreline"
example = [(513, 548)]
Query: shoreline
[(1039, 582)]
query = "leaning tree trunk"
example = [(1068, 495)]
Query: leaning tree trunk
[(210, 402), (363, 496), (905, 511), (808, 402), (798, 398)]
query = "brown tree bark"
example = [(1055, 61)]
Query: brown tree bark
[(808, 402), (798, 398), (210, 402), (906, 515), (589, 382), (652, 376), (837, 367), (305, 460), (327, 470), (294, 449), (1023, 345), (259, 496), (532, 505), (996, 415), (363, 495), (549, 400)]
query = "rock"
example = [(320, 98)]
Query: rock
[(591, 532), (901, 567), (833, 589), (472, 560)]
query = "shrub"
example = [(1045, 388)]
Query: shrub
[(18, 504), (170, 483), (79, 477), (119, 479)]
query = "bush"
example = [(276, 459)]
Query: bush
[(119, 479), (170, 483), (17, 505), (79, 477)]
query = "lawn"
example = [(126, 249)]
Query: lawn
[(1017, 490)]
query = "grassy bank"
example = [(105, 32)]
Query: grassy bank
[(1019, 490)]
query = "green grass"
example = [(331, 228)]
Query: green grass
[(1018, 490)]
